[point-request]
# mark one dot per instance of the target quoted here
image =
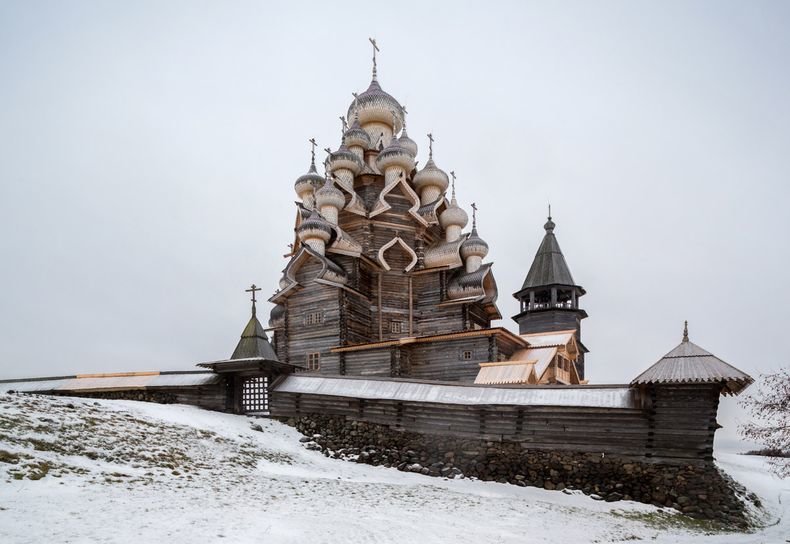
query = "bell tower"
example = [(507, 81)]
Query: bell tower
[(549, 298)]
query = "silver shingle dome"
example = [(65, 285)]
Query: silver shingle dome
[(407, 143), (344, 158), (309, 182), (431, 175), (474, 246), (356, 136), (453, 215), (376, 105), (314, 226), (329, 195), (395, 155)]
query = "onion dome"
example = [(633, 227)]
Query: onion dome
[(407, 143), (344, 158), (314, 226), (356, 136), (329, 195), (395, 155), (474, 246), (376, 106), (453, 215), (309, 182), (431, 175), (277, 314)]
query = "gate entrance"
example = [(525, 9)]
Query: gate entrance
[(255, 395)]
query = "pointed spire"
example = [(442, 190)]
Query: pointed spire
[(685, 331), (375, 48), (253, 289)]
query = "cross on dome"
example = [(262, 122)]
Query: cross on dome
[(474, 216), (375, 48), (253, 289), (312, 150)]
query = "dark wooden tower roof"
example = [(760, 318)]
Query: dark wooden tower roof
[(549, 266), (254, 343)]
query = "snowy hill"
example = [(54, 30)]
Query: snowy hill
[(78, 470)]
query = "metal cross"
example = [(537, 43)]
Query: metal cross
[(375, 48), (253, 289), (345, 125), (452, 173), (474, 215), (430, 146), (549, 210), (313, 144)]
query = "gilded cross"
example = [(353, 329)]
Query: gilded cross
[(253, 289)]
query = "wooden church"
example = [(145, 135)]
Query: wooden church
[(383, 279)]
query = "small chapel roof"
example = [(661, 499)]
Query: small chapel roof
[(549, 266), (689, 363), (254, 343)]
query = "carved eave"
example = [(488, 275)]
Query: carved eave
[(330, 274), (382, 205), (430, 212), (444, 254), (397, 240), (344, 244), (478, 286)]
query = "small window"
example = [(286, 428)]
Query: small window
[(396, 327), (314, 361), (313, 318), (466, 355)]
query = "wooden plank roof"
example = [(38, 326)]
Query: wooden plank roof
[(689, 363)]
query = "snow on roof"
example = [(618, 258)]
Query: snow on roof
[(615, 396), (107, 382)]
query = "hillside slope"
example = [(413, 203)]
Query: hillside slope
[(78, 470)]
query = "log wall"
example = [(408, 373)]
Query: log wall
[(678, 428)]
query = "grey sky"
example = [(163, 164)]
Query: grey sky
[(148, 152)]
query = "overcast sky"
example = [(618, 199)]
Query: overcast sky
[(148, 152)]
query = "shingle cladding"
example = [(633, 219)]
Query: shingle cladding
[(549, 266), (254, 343), (689, 363)]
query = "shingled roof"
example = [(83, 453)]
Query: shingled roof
[(549, 266), (254, 343), (689, 363)]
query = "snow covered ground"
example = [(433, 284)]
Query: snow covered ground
[(78, 470)]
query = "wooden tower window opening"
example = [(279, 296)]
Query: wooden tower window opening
[(255, 394), (313, 318), (314, 361)]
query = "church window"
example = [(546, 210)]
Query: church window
[(313, 318), (314, 361), (396, 327), (466, 355)]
